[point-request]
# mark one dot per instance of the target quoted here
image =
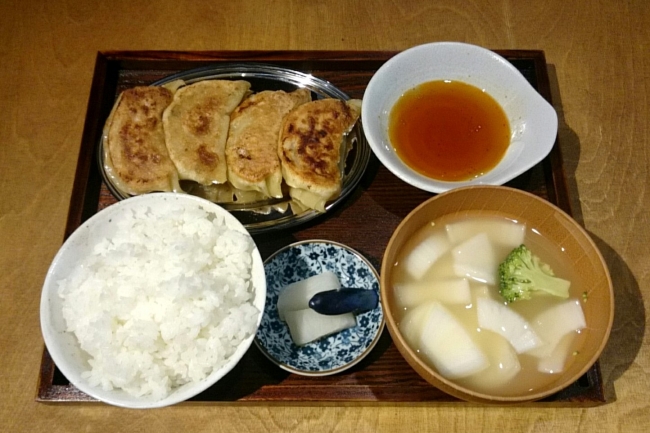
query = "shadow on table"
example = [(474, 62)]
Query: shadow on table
[(626, 338), (628, 329)]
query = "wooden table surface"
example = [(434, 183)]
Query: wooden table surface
[(597, 55)]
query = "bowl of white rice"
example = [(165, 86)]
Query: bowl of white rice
[(152, 300)]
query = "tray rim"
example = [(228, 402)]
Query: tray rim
[(87, 182)]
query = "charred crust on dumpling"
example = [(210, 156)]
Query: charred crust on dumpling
[(311, 146), (196, 128), (206, 157), (252, 154), (134, 144)]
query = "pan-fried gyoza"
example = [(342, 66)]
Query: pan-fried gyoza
[(310, 149), (228, 144), (251, 150), (135, 154), (196, 128)]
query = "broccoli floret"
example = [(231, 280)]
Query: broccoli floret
[(523, 273)]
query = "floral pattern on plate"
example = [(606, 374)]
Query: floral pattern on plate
[(337, 352)]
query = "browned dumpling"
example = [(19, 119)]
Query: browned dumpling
[(251, 149), (310, 149), (196, 128), (136, 157)]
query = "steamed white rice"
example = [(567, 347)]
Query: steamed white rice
[(163, 302)]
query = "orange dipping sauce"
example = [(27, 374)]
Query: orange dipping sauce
[(449, 130)]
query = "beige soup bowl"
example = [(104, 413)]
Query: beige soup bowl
[(552, 223)]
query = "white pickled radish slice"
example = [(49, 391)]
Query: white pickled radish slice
[(498, 317), (412, 324), (475, 258), (554, 323), (503, 232), (450, 291), (307, 325), (504, 363), (555, 362), (449, 346), (425, 254), (296, 296)]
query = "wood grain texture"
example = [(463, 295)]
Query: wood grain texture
[(599, 80)]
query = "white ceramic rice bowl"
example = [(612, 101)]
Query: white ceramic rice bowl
[(533, 121), (63, 346)]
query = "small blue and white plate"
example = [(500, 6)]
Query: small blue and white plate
[(337, 352)]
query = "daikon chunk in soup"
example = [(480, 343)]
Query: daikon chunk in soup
[(505, 338)]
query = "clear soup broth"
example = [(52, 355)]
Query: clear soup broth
[(505, 375)]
